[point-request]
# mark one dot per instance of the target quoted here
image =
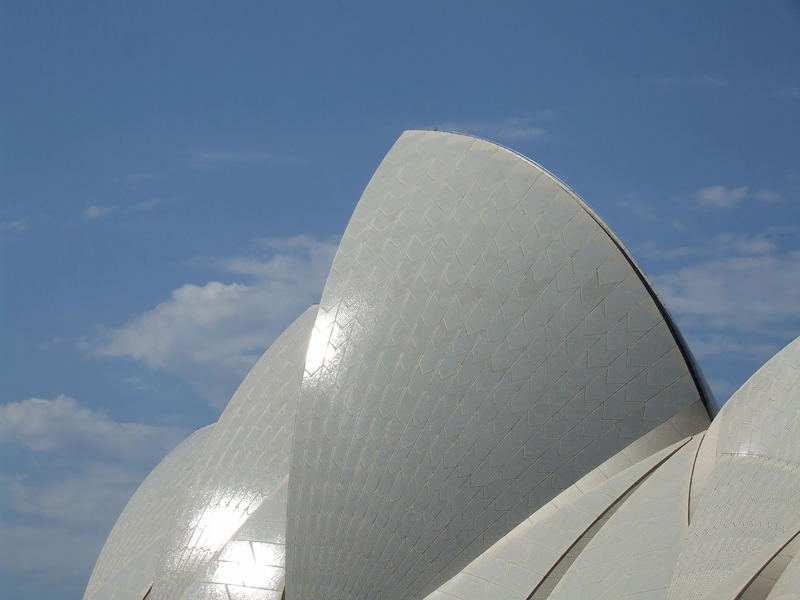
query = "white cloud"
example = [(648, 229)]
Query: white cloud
[(75, 470), (757, 293), (62, 424), (735, 295), (725, 245), (91, 495), (713, 343), (96, 211), (717, 196), (211, 334), (518, 129)]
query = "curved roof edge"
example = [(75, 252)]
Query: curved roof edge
[(700, 382)]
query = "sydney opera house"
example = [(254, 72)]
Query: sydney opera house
[(489, 402)]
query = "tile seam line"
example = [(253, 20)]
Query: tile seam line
[(619, 500), (697, 376)]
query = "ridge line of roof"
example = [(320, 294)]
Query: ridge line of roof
[(694, 368)]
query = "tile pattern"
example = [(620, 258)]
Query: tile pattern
[(251, 564), (129, 559), (633, 555), (752, 495), (740, 582), (244, 462), (481, 344), (533, 555)]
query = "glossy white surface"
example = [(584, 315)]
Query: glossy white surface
[(244, 463), (533, 555), (251, 564), (130, 558), (481, 344), (752, 495), (493, 406), (633, 554)]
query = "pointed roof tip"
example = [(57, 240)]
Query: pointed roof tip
[(706, 394)]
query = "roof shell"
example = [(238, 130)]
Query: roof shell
[(244, 463), (482, 342), (129, 559)]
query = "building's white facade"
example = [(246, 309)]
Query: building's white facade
[(489, 402)]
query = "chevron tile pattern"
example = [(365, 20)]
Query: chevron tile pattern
[(488, 403), (251, 564), (529, 556), (532, 555), (244, 461), (481, 344)]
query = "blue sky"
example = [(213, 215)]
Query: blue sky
[(174, 178)]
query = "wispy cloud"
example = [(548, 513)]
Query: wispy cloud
[(718, 196), (725, 245), (96, 211), (512, 129), (736, 294), (209, 159), (74, 470), (790, 92), (700, 81), (741, 293), (767, 196), (721, 197), (150, 203), (715, 343), (211, 334), (631, 205), (62, 424), (15, 225)]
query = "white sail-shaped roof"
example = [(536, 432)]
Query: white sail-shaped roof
[(244, 463), (482, 342), (489, 402), (751, 498), (131, 556)]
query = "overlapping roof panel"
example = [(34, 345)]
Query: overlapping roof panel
[(488, 402)]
